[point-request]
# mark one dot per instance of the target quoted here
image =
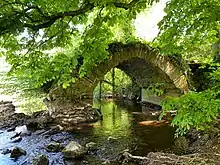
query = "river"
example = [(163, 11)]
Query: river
[(120, 129)]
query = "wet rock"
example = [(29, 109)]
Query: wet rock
[(91, 146), (17, 139), (6, 151), (22, 130), (15, 135), (41, 160), (11, 129), (181, 145), (213, 132), (33, 126), (17, 152), (202, 143), (8, 117), (70, 114), (39, 132), (54, 147), (40, 120), (192, 135), (74, 150)]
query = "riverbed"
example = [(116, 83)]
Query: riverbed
[(119, 130)]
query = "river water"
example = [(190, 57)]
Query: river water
[(120, 129)]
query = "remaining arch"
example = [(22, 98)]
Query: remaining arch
[(64, 103), (120, 53)]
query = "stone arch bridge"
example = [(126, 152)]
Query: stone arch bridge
[(142, 63)]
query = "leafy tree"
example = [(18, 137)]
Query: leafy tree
[(191, 29), (45, 40), (190, 25)]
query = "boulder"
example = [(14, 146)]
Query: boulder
[(54, 147), (8, 117), (17, 152), (22, 130), (181, 145), (41, 160), (74, 150)]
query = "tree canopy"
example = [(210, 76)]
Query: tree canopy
[(190, 27), (44, 40)]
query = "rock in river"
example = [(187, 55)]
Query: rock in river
[(22, 130), (54, 147), (74, 150), (41, 160), (16, 152), (17, 139)]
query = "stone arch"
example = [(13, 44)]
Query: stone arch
[(66, 105), (120, 53)]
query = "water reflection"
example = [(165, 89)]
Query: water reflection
[(122, 120), (116, 121), (120, 129)]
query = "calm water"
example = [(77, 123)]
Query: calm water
[(119, 130)]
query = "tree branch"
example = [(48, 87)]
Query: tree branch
[(52, 19)]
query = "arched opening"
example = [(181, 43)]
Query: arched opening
[(135, 78), (147, 68), (116, 83)]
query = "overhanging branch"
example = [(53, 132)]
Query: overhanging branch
[(50, 20)]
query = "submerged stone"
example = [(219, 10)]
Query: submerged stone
[(74, 150), (17, 152), (54, 147), (17, 139), (41, 160)]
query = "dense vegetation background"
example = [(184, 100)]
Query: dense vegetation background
[(44, 41)]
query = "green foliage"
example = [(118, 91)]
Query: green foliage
[(194, 110), (122, 81), (190, 27), (28, 98), (30, 31), (31, 105), (155, 89)]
